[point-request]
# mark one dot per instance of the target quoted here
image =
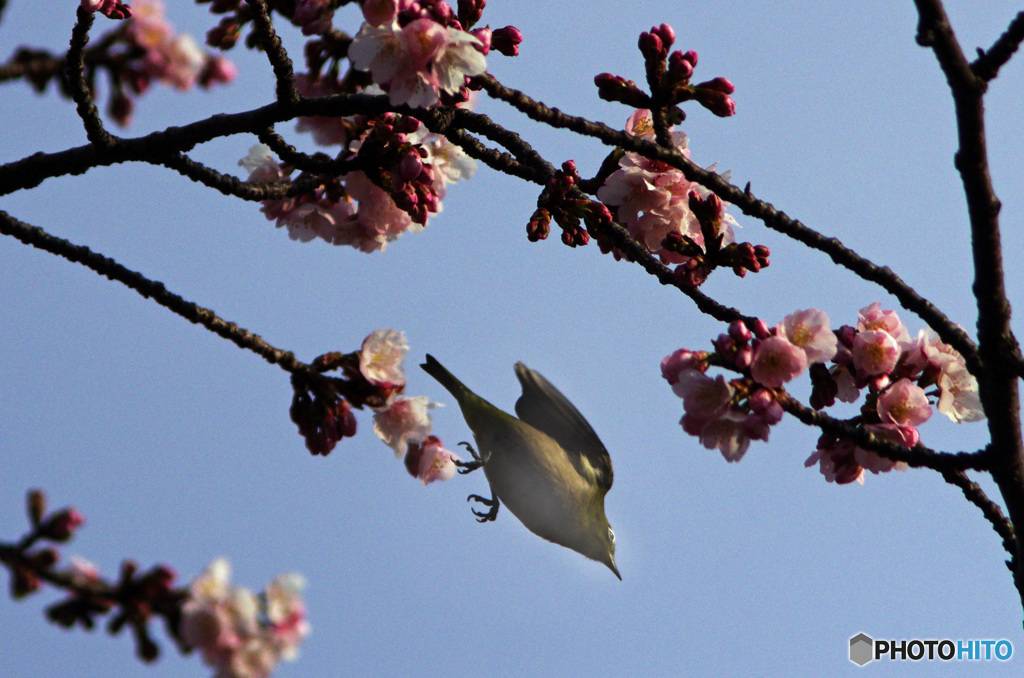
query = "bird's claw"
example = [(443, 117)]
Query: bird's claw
[(465, 467), (490, 515)]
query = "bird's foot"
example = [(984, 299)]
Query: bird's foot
[(465, 467), (490, 515)]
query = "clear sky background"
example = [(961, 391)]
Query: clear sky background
[(178, 448)]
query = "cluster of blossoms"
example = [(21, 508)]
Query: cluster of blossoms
[(652, 198), (354, 210), (404, 423), (420, 52), (878, 355), (678, 220), (373, 378), (153, 52), (239, 633)]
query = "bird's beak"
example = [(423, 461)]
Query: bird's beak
[(615, 570)]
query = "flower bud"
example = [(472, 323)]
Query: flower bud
[(506, 40)]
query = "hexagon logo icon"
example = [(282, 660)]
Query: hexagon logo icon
[(862, 649)]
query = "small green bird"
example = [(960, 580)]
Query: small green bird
[(548, 466)]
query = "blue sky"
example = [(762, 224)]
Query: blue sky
[(178, 448)]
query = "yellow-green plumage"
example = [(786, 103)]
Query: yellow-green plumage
[(547, 466)]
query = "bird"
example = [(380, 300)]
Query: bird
[(547, 466)]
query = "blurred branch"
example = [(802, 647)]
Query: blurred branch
[(133, 601)]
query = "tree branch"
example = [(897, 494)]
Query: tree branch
[(997, 347)]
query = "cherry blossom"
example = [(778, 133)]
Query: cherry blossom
[(238, 633), (776, 361), (380, 359), (904, 404), (430, 461), (416, 62), (810, 331), (874, 353), (958, 394), (405, 420)]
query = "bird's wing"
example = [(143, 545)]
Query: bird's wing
[(545, 408)]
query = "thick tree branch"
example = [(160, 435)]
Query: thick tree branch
[(997, 347)]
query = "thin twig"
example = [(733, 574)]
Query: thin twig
[(947, 330)]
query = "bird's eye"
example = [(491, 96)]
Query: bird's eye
[(611, 535)]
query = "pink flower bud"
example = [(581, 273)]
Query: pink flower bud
[(485, 37), (380, 12), (738, 331), (506, 40), (651, 46), (680, 70), (410, 166), (718, 85), (62, 525)]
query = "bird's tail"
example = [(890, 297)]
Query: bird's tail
[(472, 405), (446, 379)]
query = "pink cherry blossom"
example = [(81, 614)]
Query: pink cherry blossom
[(405, 420), (845, 383), (632, 189), (904, 404), (673, 364), (810, 331), (874, 352), (237, 633), (901, 435), (728, 433), (777, 361), (703, 397), (837, 462), (435, 462), (418, 61), (874, 318), (380, 359), (286, 614), (958, 394), (378, 220)]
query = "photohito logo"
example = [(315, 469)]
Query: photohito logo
[(864, 648)]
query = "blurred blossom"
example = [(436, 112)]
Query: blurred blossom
[(405, 420), (380, 359), (238, 633)]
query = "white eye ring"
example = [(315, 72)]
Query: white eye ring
[(611, 535)]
